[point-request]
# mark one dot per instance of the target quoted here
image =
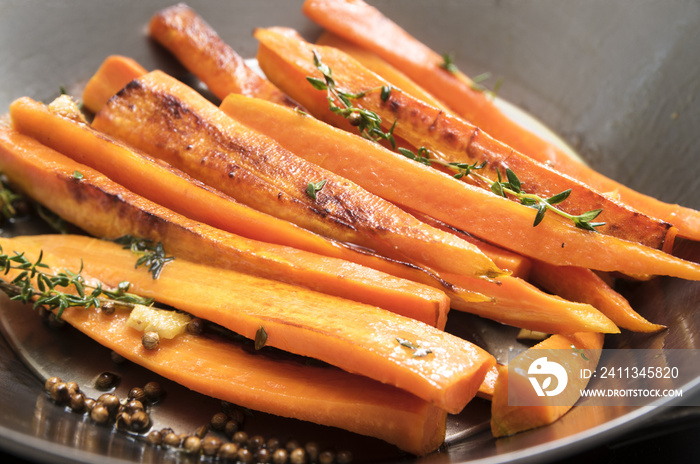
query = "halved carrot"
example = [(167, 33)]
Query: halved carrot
[(321, 144), (200, 49), (447, 137), (231, 372), (99, 206), (376, 64), (166, 186), (171, 121), (507, 419), (366, 26), (487, 216), (583, 285), (357, 338), (518, 303), (115, 72)]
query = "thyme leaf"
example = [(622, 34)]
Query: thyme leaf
[(418, 352), (150, 255), (512, 186), (448, 63), (314, 187), (8, 200), (260, 338), (33, 285), (340, 102)]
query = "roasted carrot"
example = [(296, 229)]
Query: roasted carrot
[(115, 72), (437, 367), (516, 302), (171, 121), (508, 419), (99, 206), (376, 64), (364, 25), (277, 385), (200, 49), (446, 137), (397, 179), (585, 286), (166, 186)]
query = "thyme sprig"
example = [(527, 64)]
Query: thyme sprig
[(511, 187), (418, 351), (150, 255), (475, 83), (314, 187), (33, 285), (340, 102), (8, 200)]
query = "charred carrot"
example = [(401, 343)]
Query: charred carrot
[(584, 286), (430, 363), (396, 178), (445, 138), (99, 206), (360, 23), (171, 121), (115, 72), (200, 49)]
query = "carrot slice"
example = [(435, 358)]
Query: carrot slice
[(274, 384), (447, 137), (376, 64), (88, 199), (358, 338), (518, 303), (171, 121), (584, 286), (115, 72), (363, 24), (397, 179), (508, 420), (200, 49)]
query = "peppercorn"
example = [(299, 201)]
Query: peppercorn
[(108, 308), (245, 456), (155, 437), (280, 456), (231, 428), (50, 382), (117, 358), (192, 444), (240, 438), (137, 394), (106, 381), (140, 421), (228, 450), (133, 405), (110, 401), (291, 445), (218, 421), (77, 402), (326, 457), (202, 431), (123, 420), (72, 388), (255, 442), (59, 392), (195, 326), (354, 119), (172, 439), (211, 445), (100, 414), (312, 451), (298, 456), (273, 444), (236, 415), (89, 404), (263, 456), (150, 340), (344, 457), (153, 391)]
